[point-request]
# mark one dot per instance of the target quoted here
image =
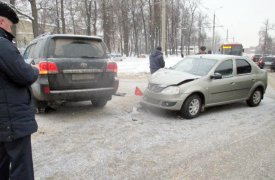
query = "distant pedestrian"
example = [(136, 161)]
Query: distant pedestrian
[(209, 52), (17, 121), (156, 60), (202, 50), (182, 55)]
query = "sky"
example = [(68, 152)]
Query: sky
[(242, 18)]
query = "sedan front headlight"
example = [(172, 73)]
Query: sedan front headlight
[(171, 90)]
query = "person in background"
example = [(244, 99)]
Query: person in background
[(156, 60), (17, 121), (202, 50)]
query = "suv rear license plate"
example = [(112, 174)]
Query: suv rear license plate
[(83, 77)]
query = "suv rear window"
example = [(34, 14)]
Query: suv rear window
[(76, 48)]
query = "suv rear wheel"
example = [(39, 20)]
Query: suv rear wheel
[(101, 102), (40, 106)]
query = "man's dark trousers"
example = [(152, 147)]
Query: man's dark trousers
[(18, 153)]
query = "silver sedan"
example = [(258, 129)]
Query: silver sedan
[(201, 81)]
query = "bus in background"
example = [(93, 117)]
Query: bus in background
[(232, 49)]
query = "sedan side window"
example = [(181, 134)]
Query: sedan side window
[(225, 68), (243, 67)]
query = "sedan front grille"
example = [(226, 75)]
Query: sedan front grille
[(155, 87), (151, 100)]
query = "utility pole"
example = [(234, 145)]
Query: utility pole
[(62, 17), (163, 25), (57, 19), (214, 25), (213, 37), (265, 38)]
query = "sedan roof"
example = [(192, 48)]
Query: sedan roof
[(214, 56)]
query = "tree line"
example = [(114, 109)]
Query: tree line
[(127, 26), (131, 27)]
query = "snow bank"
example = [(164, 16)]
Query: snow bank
[(141, 65)]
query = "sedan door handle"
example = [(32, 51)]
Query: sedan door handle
[(232, 83), (253, 80)]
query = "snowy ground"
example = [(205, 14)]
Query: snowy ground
[(79, 141), (133, 65)]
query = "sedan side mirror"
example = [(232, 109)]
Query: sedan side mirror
[(216, 76)]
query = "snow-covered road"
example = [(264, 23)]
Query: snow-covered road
[(79, 141)]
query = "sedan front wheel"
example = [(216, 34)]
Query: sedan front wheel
[(191, 107)]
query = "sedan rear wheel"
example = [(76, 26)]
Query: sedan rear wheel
[(191, 107), (255, 98)]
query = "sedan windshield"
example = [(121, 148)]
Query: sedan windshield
[(195, 66)]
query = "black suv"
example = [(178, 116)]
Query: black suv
[(72, 68)]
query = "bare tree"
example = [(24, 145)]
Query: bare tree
[(192, 9), (106, 17), (135, 23), (12, 2), (63, 17), (201, 27), (95, 18), (142, 3), (88, 9), (124, 14), (57, 17), (35, 17), (126, 26)]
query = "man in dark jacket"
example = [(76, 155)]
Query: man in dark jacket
[(17, 121), (156, 60)]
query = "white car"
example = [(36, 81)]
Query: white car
[(268, 60), (116, 57)]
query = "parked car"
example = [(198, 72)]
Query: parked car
[(268, 60), (201, 81), (72, 68), (261, 63), (116, 57), (256, 57)]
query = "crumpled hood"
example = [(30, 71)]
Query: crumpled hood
[(169, 77)]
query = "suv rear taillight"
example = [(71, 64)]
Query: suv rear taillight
[(47, 68), (112, 67)]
